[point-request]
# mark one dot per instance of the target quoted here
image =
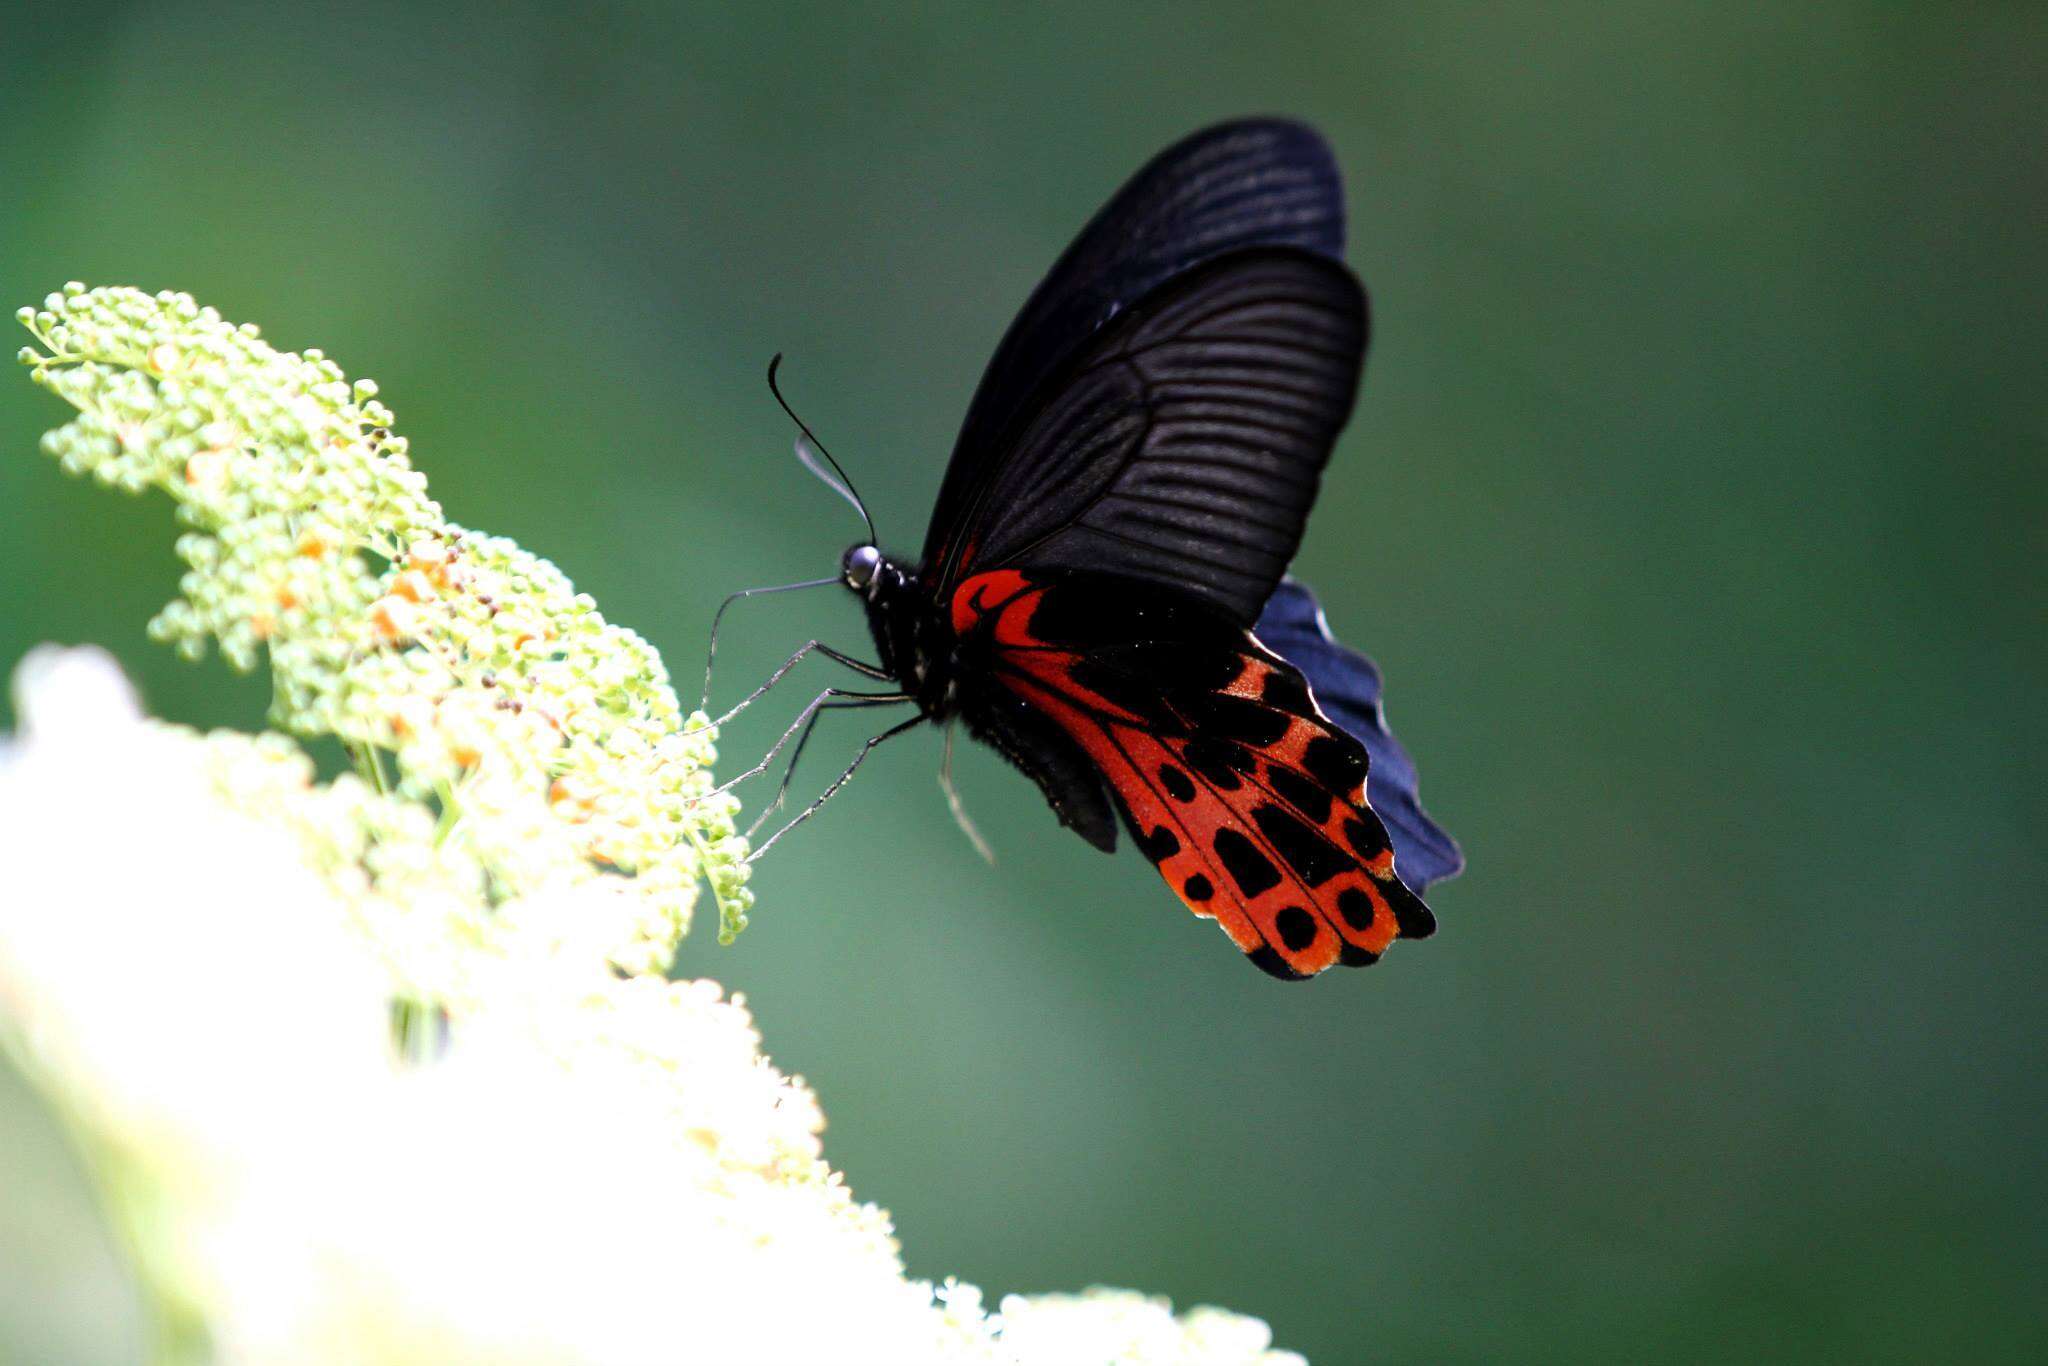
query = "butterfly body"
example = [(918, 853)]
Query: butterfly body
[(1107, 552), (951, 674), (914, 645)]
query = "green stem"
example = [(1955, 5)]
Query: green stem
[(451, 814), (369, 765)]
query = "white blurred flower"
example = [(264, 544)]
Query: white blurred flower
[(596, 1169), (1124, 1326)]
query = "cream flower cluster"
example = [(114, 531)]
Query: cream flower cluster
[(568, 1158), (462, 672)]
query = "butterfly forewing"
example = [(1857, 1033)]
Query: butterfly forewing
[(1185, 442), (1249, 183)]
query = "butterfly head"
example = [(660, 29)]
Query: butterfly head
[(902, 620), (885, 585), (860, 568)]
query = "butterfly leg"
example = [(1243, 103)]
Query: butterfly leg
[(810, 647), (789, 771), (711, 654), (802, 718), (959, 808), (837, 783)]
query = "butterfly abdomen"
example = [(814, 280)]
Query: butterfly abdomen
[(1044, 753)]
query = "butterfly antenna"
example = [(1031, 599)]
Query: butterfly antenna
[(809, 450)]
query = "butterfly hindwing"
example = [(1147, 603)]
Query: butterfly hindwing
[(1246, 183), (1249, 801), (1347, 688)]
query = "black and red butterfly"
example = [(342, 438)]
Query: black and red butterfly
[(1101, 594)]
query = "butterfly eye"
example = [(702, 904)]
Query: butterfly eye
[(860, 565)]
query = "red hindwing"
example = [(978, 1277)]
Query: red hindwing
[(1249, 801)]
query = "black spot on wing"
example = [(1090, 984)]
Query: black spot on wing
[(1251, 870), (1335, 761), (1219, 762), (1086, 616), (1179, 666), (1236, 718), (1158, 846), (1314, 859), (1303, 795), (1198, 888), (1356, 908), (1267, 959), (1366, 835), (1177, 784), (1352, 956), (1415, 920), (1284, 689), (1297, 928)]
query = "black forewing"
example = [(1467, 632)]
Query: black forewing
[(1252, 182), (1347, 687), (1183, 446)]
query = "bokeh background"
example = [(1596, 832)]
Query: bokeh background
[(1693, 509)]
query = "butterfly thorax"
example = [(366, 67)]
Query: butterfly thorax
[(913, 642)]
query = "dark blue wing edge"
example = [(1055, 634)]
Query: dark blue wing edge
[(1347, 687)]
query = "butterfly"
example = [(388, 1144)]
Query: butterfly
[(1102, 596)]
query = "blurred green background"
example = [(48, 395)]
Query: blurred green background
[(1693, 509)]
